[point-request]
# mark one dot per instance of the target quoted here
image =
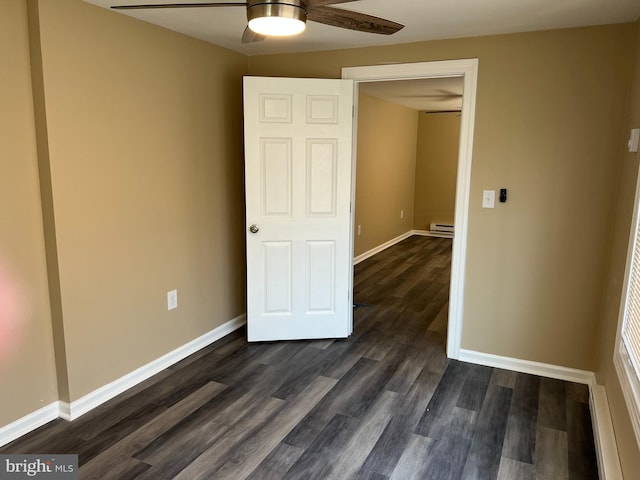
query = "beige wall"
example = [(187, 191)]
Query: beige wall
[(436, 169), (27, 372), (387, 138), (549, 126), (622, 212), (144, 149), (142, 136), (146, 162), (549, 114)]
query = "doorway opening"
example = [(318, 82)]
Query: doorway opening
[(467, 71)]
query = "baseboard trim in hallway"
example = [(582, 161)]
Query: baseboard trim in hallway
[(422, 233), (380, 248)]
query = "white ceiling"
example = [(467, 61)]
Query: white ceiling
[(430, 95), (423, 20)]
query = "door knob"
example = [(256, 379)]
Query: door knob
[(254, 228)]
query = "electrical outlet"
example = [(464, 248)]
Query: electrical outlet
[(401, 214), (359, 229), (172, 299)]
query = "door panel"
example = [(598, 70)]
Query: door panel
[(276, 176), (298, 168)]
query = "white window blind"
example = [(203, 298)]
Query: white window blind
[(627, 353), (631, 325)]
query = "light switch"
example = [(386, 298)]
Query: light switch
[(488, 198)]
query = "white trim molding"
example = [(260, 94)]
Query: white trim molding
[(28, 423), (527, 366), (380, 248), (625, 358), (66, 411), (370, 253), (468, 70), (603, 433), (92, 400)]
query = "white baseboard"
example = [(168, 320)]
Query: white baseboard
[(379, 248), (393, 241), (92, 400), (527, 366), (604, 435), (28, 423)]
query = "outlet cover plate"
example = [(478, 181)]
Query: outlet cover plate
[(172, 300)]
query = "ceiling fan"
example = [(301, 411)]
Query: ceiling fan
[(288, 17)]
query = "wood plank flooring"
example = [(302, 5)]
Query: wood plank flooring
[(383, 404)]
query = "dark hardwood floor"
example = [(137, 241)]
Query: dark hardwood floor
[(384, 404)]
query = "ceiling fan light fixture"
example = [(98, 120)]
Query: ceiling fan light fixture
[(278, 19)]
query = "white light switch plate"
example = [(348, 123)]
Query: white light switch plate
[(488, 198), (172, 299)]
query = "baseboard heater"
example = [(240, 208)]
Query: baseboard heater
[(441, 229)]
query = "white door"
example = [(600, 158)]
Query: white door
[(298, 150)]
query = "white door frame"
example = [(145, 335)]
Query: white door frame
[(468, 70)]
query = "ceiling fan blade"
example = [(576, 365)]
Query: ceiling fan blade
[(179, 5), (323, 3), (249, 36), (352, 20)]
